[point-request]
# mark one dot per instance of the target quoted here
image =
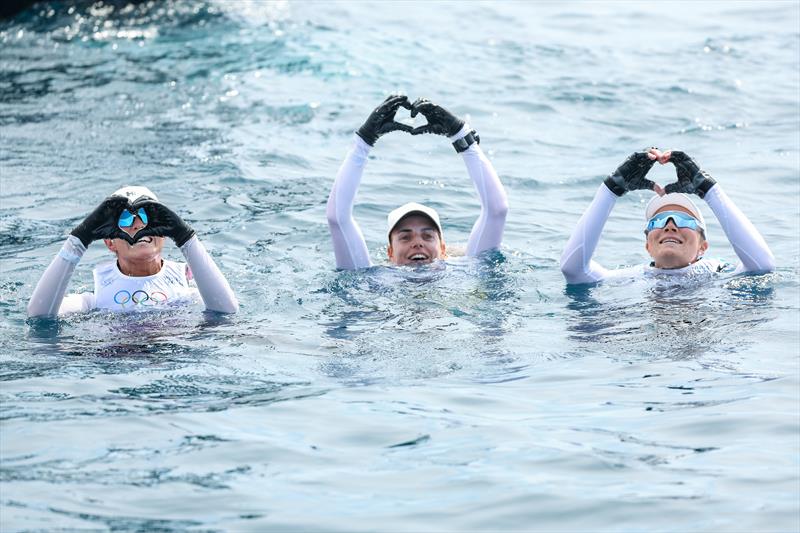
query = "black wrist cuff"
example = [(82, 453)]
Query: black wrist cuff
[(613, 186), (85, 239), (466, 141), (184, 237), (705, 186), (369, 139)]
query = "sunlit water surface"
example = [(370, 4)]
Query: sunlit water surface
[(479, 395)]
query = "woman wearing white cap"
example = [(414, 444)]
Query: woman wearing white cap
[(133, 224), (414, 230), (675, 228)]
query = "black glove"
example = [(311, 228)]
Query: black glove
[(691, 179), (630, 175), (440, 120), (103, 222), (163, 222), (381, 120)]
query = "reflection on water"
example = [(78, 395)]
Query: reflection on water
[(447, 313), (146, 334), (669, 317)]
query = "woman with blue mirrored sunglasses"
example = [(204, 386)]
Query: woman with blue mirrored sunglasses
[(675, 229), (134, 226)]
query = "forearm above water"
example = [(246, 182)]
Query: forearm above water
[(349, 246), (49, 292), (487, 232), (214, 289), (747, 242)]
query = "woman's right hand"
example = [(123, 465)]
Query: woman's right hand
[(631, 174), (382, 121), (103, 222)]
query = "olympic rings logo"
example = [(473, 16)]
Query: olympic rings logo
[(140, 297)]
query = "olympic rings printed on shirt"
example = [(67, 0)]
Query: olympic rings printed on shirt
[(140, 297)]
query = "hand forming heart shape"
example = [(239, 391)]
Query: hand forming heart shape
[(631, 174), (160, 221), (382, 119)]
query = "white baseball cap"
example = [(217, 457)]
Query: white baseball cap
[(135, 192), (411, 208), (674, 198)]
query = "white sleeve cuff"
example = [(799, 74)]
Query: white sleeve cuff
[(608, 193), (72, 250), (360, 145), (188, 245), (461, 133), (712, 194)]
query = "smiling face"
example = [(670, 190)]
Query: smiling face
[(415, 240), (674, 247), (147, 250)]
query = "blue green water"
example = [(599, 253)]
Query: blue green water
[(484, 396)]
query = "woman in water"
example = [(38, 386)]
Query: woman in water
[(675, 228), (133, 224), (414, 230)]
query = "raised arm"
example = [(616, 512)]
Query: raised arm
[(214, 289), (576, 260), (753, 252), (487, 232), (349, 246), (48, 296)]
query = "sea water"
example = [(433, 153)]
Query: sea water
[(474, 395)]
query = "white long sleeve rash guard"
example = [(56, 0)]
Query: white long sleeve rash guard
[(578, 267), (174, 283), (349, 246)]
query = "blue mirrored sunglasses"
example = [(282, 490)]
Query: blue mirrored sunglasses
[(680, 219), (126, 218)]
